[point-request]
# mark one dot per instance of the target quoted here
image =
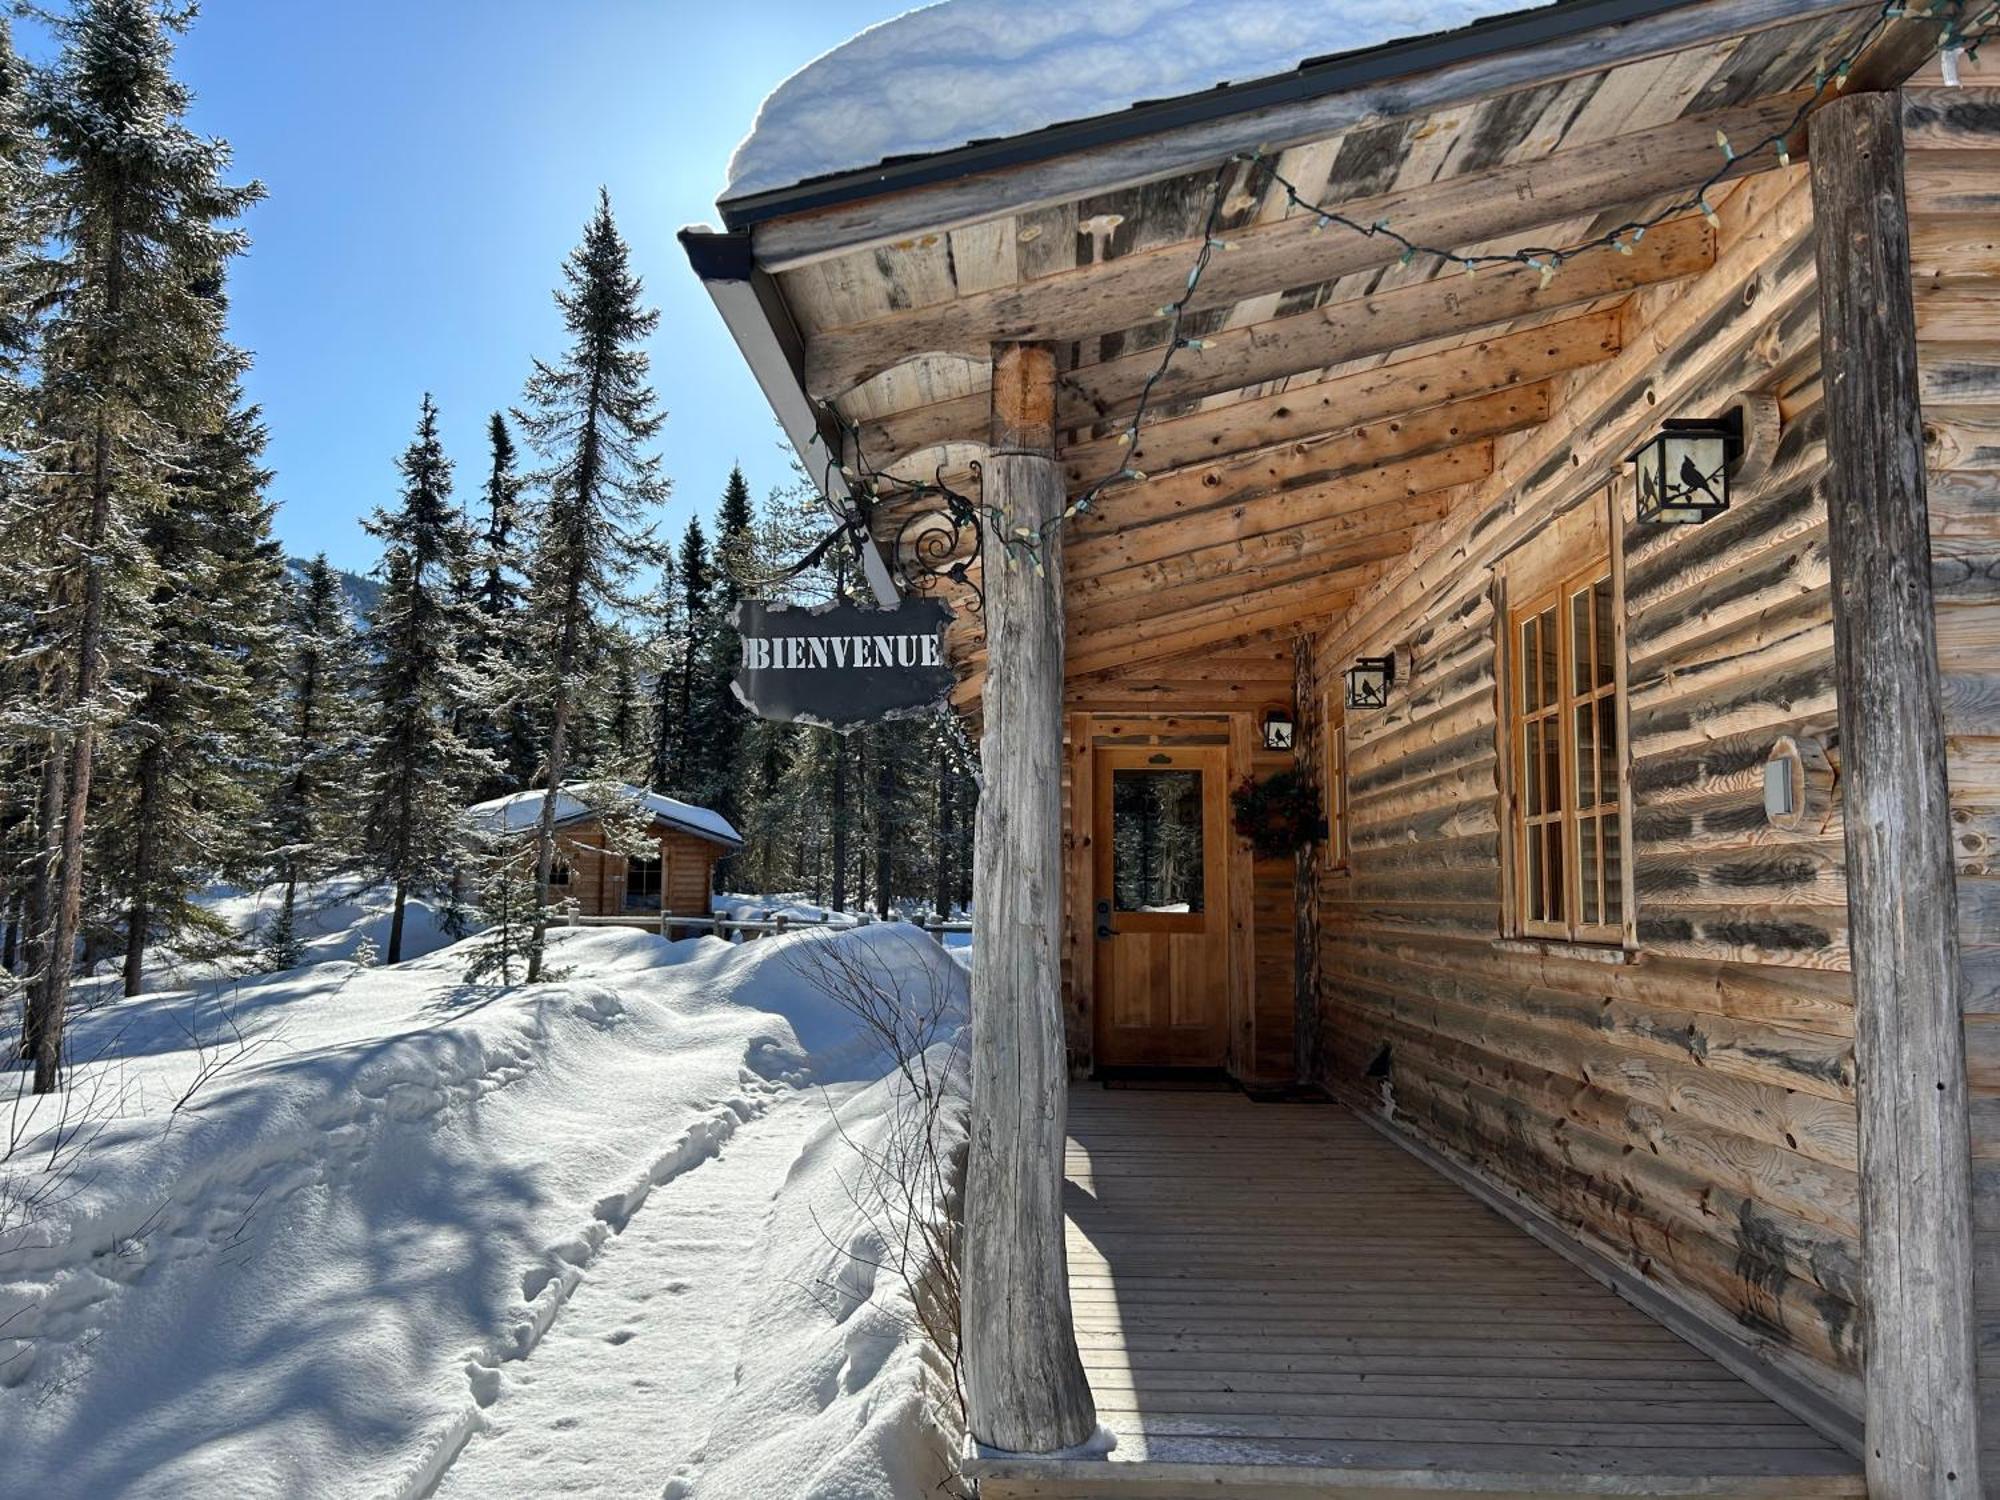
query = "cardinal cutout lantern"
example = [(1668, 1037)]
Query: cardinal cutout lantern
[(1683, 472)]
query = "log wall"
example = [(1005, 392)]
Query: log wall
[(1686, 1104), (1953, 189), (597, 876)]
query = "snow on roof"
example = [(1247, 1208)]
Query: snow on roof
[(971, 70), (521, 811)]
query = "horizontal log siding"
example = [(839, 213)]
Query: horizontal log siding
[(1954, 203), (1691, 1113)]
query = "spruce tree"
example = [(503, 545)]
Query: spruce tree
[(22, 200), (419, 767), (131, 360), (682, 725), (189, 759), (720, 717), (320, 722), (24, 203), (590, 415), (660, 616), (509, 732), (623, 752)]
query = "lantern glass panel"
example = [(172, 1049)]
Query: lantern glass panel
[(1683, 475), (1277, 732), (1368, 683)]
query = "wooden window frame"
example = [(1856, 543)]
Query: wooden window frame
[(632, 862), (1338, 859), (1546, 579)]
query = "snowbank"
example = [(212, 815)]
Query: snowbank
[(333, 919), (319, 1273), (830, 1396), (971, 70)]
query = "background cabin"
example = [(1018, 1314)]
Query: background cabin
[(602, 880), (1649, 949)]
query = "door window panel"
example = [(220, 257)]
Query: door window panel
[(1156, 841)]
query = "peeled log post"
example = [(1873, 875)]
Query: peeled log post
[(1025, 1386), (1916, 1213)]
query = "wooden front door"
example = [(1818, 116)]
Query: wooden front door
[(1159, 907)]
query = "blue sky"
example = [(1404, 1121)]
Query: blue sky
[(429, 163)]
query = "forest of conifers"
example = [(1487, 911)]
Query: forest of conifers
[(182, 706)]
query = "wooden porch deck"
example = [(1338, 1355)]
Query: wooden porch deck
[(1272, 1299)]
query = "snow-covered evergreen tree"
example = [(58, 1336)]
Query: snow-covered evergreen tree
[(191, 758), (23, 199), (508, 727), (589, 414), (419, 768), (24, 204), (311, 809), (719, 718), (678, 729), (622, 753), (131, 361)]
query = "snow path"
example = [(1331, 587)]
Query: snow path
[(618, 1396)]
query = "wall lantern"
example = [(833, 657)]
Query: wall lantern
[(1683, 471), (1368, 681), (1277, 729)]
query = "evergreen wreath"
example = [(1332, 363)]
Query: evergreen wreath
[(1279, 815)]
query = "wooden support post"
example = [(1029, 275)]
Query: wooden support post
[(1024, 1380), (1916, 1217)]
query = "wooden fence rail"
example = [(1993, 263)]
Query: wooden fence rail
[(669, 924)]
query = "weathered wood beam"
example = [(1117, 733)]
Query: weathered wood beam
[(1950, 119), (1449, 303), (1236, 576), (1355, 399), (972, 666), (1264, 259), (1234, 480), (1326, 512), (1916, 1197), (1299, 604), (1386, 92), (1359, 464), (1025, 1386), (1307, 342)]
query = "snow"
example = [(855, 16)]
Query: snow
[(333, 919), (970, 70), (564, 1236), (523, 810)]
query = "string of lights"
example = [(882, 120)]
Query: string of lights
[(1961, 34)]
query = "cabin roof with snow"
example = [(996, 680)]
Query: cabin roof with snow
[(520, 812)]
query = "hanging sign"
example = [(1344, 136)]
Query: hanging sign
[(842, 665)]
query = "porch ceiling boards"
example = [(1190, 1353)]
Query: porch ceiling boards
[(1275, 1297), (1343, 401)]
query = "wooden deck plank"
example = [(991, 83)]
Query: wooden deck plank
[(1276, 1293)]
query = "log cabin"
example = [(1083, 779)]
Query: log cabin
[(1605, 1098), (595, 872)]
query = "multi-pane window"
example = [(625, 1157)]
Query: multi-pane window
[(1568, 860), (642, 880), (1333, 733)]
